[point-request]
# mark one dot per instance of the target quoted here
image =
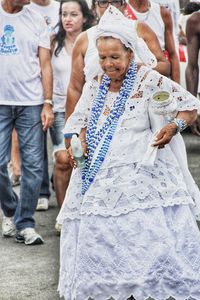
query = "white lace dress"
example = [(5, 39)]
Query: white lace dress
[(133, 232)]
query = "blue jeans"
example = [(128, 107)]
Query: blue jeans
[(27, 122), (57, 139), (57, 136)]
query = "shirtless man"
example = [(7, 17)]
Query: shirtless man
[(192, 70)]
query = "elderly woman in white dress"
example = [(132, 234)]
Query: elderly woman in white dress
[(128, 226)]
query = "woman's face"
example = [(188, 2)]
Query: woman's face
[(72, 17), (102, 5), (113, 57)]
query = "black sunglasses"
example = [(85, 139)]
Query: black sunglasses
[(105, 4)]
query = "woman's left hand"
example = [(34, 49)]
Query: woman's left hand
[(72, 161), (165, 135)]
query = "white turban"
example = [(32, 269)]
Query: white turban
[(114, 24)]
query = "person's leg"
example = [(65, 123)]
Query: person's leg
[(44, 191), (8, 197), (15, 170), (62, 169), (15, 156), (31, 142), (43, 200), (62, 174)]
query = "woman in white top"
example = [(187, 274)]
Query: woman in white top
[(75, 17)]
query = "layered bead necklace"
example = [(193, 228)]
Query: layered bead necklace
[(106, 131)]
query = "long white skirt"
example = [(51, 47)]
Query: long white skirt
[(145, 253)]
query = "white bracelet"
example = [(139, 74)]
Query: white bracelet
[(48, 101)]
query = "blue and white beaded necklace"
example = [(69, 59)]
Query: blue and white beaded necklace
[(106, 131)]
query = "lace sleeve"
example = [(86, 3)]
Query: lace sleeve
[(186, 101), (156, 83), (79, 117)]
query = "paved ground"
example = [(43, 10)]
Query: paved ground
[(31, 272)]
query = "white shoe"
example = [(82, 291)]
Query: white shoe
[(29, 236), (58, 227), (43, 204), (8, 227)]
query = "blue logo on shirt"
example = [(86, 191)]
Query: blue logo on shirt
[(7, 41)]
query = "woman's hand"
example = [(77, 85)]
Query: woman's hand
[(165, 135), (72, 161), (82, 137)]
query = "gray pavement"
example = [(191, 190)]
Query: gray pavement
[(31, 272)]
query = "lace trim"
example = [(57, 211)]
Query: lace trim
[(64, 291), (76, 215), (120, 190)]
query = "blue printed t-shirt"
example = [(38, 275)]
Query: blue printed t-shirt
[(21, 35)]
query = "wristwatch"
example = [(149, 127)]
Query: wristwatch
[(48, 101)]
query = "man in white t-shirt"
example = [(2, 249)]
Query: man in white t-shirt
[(49, 10), (26, 80)]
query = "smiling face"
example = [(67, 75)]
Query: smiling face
[(114, 57), (72, 17)]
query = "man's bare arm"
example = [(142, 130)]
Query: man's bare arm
[(47, 115), (193, 46), (46, 72), (170, 44), (145, 32), (77, 78)]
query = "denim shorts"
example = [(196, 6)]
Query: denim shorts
[(56, 134)]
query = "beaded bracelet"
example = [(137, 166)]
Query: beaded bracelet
[(180, 123)]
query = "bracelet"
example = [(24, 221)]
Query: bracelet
[(180, 123), (48, 101)]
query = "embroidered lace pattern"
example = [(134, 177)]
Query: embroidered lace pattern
[(153, 252)]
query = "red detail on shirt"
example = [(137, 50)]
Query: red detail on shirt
[(129, 13)]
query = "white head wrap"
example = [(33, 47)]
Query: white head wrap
[(114, 24)]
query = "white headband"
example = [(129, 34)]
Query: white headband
[(113, 23)]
